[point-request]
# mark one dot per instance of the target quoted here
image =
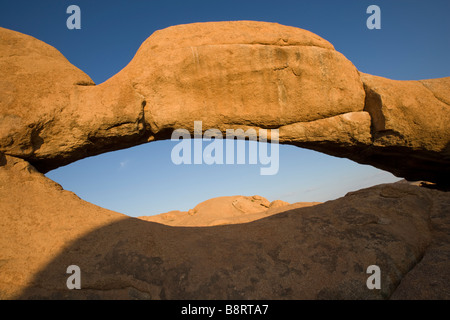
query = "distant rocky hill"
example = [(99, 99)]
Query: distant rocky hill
[(226, 210)]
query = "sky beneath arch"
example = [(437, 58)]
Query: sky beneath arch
[(413, 43)]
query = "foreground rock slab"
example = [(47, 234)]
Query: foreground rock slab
[(318, 252)]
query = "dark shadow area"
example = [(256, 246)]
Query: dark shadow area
[(2, 159)]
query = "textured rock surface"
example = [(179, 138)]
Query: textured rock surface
[(51, 110), (411, 122), (226, 210), (318, 252), (35, 86), (283, 75), (240, 74)]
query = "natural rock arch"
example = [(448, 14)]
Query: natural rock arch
[(241, 74), (229, 74)]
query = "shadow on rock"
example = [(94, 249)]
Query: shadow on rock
[(319, 252)]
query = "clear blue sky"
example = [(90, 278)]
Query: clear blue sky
[(413, 43)]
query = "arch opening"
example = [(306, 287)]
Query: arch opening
[(144, 181)]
